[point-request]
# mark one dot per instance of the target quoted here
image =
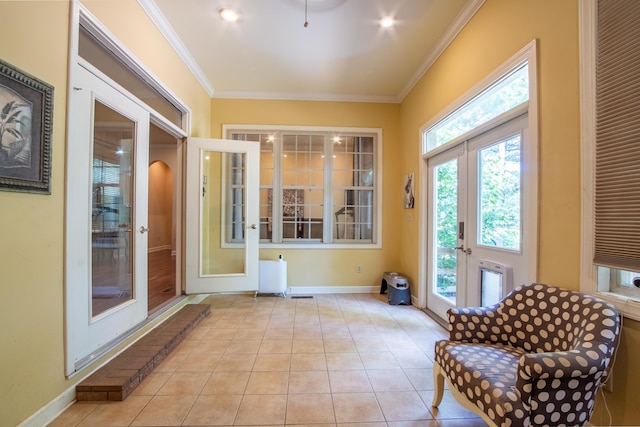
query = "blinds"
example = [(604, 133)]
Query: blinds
[(617, 163)]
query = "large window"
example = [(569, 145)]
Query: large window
[(317, 186), (611, 164)]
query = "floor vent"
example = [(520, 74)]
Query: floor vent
[(301, 296)]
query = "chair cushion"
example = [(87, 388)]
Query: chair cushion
[(486, 375)]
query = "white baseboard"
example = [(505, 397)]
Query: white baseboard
[(305, 290), (159, 248), (63, 401), (52, 410)]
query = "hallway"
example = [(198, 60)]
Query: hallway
[(330, 360)]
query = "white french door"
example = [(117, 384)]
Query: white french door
[(222, 216), (478, 219), (106, 230)]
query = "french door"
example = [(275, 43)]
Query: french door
[(477, 219), (222, 215), (107, 226)]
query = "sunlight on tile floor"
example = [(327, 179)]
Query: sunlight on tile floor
[(332, 360)]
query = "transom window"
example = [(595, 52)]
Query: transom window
[(317, 186)]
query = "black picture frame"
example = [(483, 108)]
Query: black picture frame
[(26, 122)]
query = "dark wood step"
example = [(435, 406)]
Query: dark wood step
[(119, 377)]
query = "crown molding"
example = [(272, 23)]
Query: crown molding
[(156, 16), (445, 40)]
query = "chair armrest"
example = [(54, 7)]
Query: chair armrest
[(545, 369), (475, 324)]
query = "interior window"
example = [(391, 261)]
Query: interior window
[(315, 187)]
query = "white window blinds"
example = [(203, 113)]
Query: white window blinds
[(617, 168)]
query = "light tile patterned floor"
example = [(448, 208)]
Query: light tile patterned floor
[(332, 360)]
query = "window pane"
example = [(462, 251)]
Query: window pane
[(499, 194), (112, 205), (508, 93), (446, 221), (300, 164), (102, 58)]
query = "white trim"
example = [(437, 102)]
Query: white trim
[(64, 400), (461, 20), (158, 248), (311, 290), (526, 54), (530, 174), (588, 275), (120, 51), (169, 33), (307, 96)]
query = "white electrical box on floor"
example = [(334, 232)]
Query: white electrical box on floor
[(272, 277)]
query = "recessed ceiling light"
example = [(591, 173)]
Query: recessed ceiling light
[(387, 21), (228, 15)]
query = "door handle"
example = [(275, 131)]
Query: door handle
[(252, 226), (143, 229), (466, 251)]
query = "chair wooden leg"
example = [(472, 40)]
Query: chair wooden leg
[(438, 381)]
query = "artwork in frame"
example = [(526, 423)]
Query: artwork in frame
[(408, 200), (26, 114)]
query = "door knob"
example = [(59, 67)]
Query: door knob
[(466, 251), (143, 229), (252, 226)]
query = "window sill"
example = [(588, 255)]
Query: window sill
[(627, 306)]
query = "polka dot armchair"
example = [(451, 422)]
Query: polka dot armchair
[(536, 358)]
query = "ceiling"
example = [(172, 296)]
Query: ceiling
[(342, 54)]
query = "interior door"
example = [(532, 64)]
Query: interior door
[(107, 231), (222, 215)]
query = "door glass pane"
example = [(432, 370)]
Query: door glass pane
[(223, 213), (499, 194), (445, 221), (112, 205)]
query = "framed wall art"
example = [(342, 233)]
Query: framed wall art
[(408, 199), (26, 114)]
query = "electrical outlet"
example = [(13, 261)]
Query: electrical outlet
[(358, 269)]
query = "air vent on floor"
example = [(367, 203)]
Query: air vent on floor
[(301, 296)]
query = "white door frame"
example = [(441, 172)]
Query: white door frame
[(530, 161), (86, 333)]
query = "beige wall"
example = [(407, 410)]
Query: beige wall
[(34, 37), (323, 267), (499, 30)]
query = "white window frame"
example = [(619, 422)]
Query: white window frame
[(629, 307), (227, 129)]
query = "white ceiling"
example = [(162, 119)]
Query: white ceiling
[(343, 54)]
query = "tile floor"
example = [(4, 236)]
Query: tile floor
[(347, 360)]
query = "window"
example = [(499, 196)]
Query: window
[(509, 92), (317, 185), (610, 164)]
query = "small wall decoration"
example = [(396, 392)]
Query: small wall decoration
[(26, 114), (408, 191)]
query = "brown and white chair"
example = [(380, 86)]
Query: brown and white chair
[(537, 358)]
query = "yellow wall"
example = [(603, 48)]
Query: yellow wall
[(322, 267), (498, 31), (34, 37)]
